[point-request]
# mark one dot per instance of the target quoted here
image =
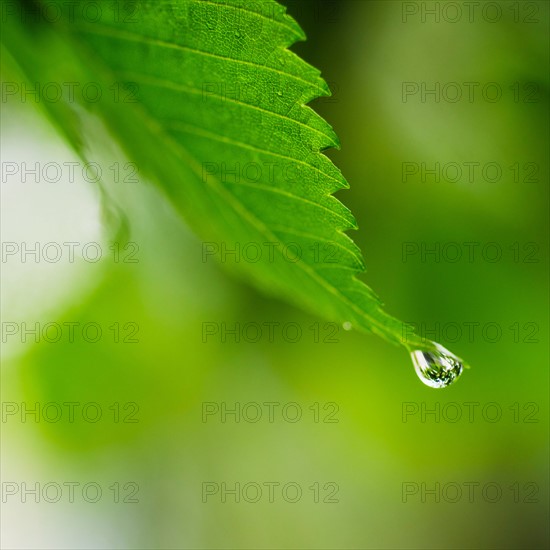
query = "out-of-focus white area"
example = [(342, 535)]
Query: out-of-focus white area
[(51, 231), (46, 203), (54, 517), (43, 206), (40, 213)]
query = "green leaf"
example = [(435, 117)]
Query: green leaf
[(218, 91)]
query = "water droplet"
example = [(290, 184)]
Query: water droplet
[(347, 325), (437, 369)]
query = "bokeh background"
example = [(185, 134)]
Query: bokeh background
[(386, 454)]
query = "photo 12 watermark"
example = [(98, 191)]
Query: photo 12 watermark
[(281, 96), (253, 332), (270, 412), (488, 332), (70, 332), (484, 11), (252, 492), (270, 251), (69, 492), (470, 92), (469, 172), (452, 492), (54, 252), (71, 412), (452, 412), (68, 172), (68, 92), (470, 252), (70, 11)]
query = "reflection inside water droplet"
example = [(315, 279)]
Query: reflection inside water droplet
[(437, 369), (347, 325)]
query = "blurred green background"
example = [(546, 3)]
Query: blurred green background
[(384, 454)]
